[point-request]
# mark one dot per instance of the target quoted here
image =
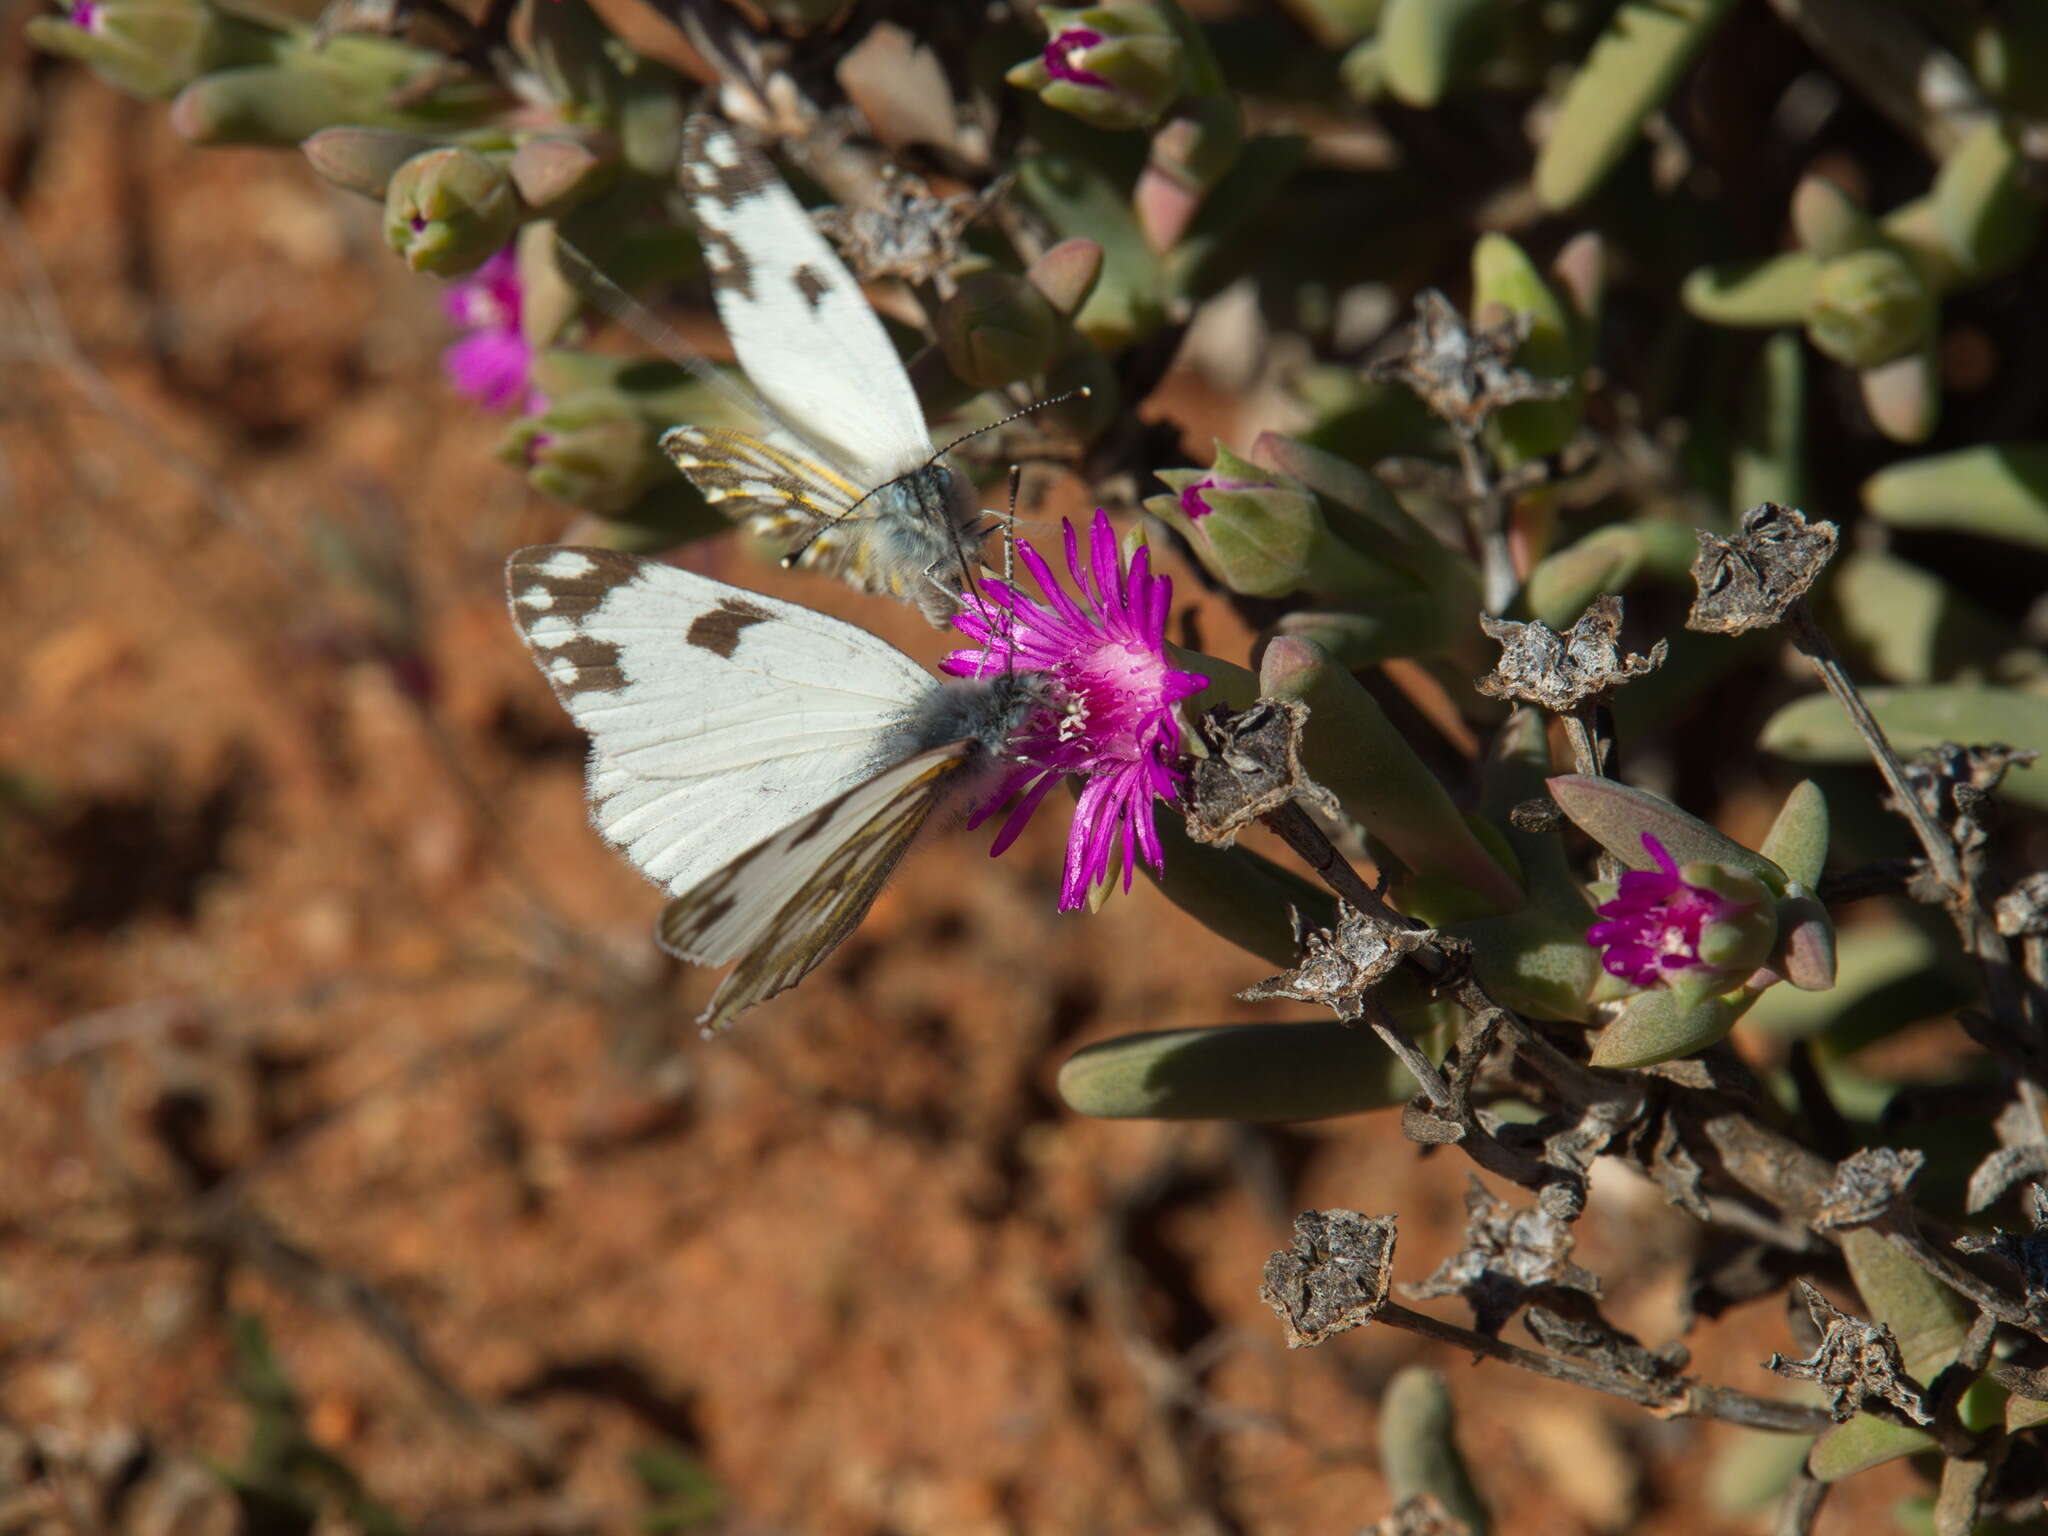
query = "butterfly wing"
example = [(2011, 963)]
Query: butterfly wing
[(786, 903), (803, 330), (714, 713), (779, 491)]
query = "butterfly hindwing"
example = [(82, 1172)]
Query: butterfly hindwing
[(785, 904), (766, 478)]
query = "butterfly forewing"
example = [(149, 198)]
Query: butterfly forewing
[(799, 323), (712, 712), (787, 903)]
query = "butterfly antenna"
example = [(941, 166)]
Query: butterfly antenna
[(1082, 393), (959, 550)]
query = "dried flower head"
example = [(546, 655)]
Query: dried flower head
[(1661, 926), (493, 364), (1109, 700)]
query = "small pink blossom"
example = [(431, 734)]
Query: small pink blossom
[(1653, 925), (1109, 700), (493, 364), (1060, 51), (84, 13)]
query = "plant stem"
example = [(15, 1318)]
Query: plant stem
[(1488, 517), (1813, 643), (1801, 1506), (1683, 1398), (1976, 926)]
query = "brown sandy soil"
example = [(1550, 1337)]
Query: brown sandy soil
[(325, 1005)]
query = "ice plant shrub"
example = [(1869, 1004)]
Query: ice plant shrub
[(1683, 928), (1109, 699), (493, 364)]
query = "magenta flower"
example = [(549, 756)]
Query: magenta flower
[(1109, 700), (1655, 921), (493, 365), (83, 13), (1194, 505), (1060, 51)]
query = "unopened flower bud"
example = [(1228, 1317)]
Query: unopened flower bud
[(449, 209), (592, 451), (1258, 532), (151, 48), (996, 328), (1115, 66), (1869, 307)]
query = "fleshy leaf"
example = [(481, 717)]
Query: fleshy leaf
[(1418, 1451), (1987, 218), (1635, 62), (1354, 751), (1263, 1073), (1664, 1024), (1997, 491), (1815, 730), (1772, 292), (1616, 816)]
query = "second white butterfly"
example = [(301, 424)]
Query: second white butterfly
[(844, 469)]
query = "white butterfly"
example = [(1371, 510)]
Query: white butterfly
[(845, 466), (765, 763)]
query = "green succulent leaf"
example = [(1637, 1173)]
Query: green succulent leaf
[(1996, 491), (1616, 816), (1504, 276), (1815, 730), (1419, 1452), (1770, 444), (1262, 1073), (1987, 217), (1079, 201), (1428, 46), (1664, 1024), (1771, 292), (1637, 60)]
